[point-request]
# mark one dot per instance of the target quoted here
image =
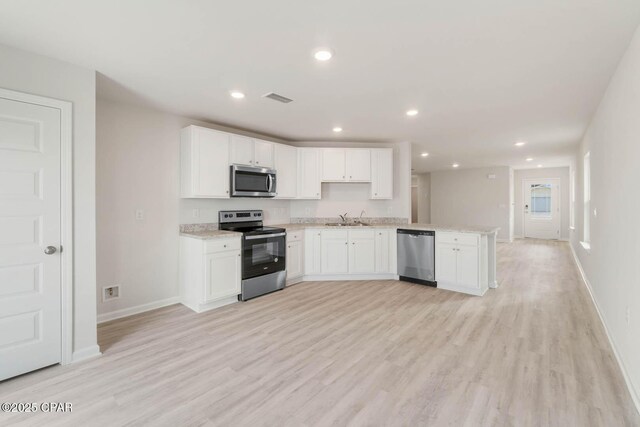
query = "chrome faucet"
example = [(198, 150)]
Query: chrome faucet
[(344, 217), (361, 213)]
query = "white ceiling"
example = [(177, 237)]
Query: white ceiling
[(482, 73)]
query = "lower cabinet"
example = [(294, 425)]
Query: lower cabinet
[(222, 275), (362, 253), (459, 263), (312, 249), (295, 256), (210, 272), (334, 252), (352, 251)]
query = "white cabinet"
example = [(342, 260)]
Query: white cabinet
[(349, 251), (459, 262), (362, 254), (358, 162), (210, 272), (286, 166), (204, 163), (382, 173), (312, 251), (333, 164), (334, 252), (242, 148), (346, 164), (468, 266), (385, 252), (308, 173), (222, 275), (295, 256), (251, 152), (263, 154), (447, 263)]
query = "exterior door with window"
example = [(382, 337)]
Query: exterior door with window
[(541, 208)]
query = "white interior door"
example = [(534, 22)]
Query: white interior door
[(541, 208), (30, 225)]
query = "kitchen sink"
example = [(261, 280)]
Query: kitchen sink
[(342, 224)]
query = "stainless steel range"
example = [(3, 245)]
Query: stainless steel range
[(263, 252)]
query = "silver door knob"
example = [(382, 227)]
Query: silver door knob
[(50, 250)]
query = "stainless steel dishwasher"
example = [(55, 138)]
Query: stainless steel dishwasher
[(416, 256)]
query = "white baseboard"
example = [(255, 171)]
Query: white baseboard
[(504, 241), (348, 277), (627, 379), (117, 314), (86, 353)]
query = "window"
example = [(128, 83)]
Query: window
[(572, 204), (586, 234), (541, 200)]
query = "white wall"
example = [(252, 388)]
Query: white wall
[(469, 197), (338, 198), (563, 175), (612, 266), (35, 74), (424, 198), (138, 168)]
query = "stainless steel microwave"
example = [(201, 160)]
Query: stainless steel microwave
[(250, 181)]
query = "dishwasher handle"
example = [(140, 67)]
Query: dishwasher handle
[(416, 233)]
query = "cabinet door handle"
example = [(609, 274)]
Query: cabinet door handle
[(225, 246)]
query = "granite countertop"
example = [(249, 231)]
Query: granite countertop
[(428, 227), (211, 234), (210, 230)]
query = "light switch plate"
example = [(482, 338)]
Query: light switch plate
[(139, 214)]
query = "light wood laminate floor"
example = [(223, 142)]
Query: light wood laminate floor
[(532, 352)]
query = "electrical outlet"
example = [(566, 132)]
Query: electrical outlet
[(139, 214), (110, 292), (195, 213)]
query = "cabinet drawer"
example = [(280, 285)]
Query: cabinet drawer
[(362, 234), (219, 245), (457, 238), (295, 236)]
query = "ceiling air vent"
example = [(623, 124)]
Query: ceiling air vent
[(276, 97)]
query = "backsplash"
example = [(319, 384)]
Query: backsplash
[(196, 228), (368, 220)]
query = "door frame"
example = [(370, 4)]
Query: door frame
[(524, 217), (66, 210)]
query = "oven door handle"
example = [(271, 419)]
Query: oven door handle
[(264, 236)]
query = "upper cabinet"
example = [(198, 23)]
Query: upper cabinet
[(346, 164), (358, 162), (206, 155), (204, 160), (382, 173), (286, 166), (308, 173), (263, 154), (251, 152)]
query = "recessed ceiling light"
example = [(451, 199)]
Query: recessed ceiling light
[(424, 154), (519, 143), (337, 129), (455, 165), (237, 94), (412, 112), (323, 54), (529, 159), (539, 166)]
